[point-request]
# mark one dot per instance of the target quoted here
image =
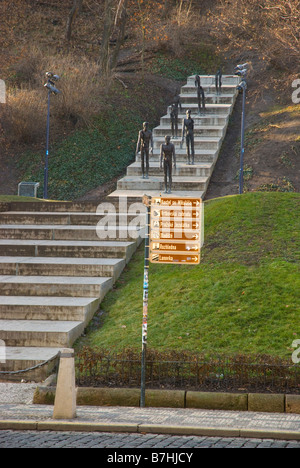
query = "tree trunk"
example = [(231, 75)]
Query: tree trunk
[(120, 24), (76, 8), (104, 51)]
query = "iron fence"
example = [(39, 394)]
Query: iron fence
[(187, 371)]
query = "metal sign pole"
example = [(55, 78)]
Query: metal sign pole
[(147, 202), (47, 149)]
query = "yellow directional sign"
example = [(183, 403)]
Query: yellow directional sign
[(176, 230), (171, 258)]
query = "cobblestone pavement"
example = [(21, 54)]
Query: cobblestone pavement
[(156, 442)]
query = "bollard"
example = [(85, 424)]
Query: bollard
[(65, 395)]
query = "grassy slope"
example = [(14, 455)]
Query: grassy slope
[(86, 159), (242, 298)]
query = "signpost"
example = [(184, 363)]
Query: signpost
[(174, 235)]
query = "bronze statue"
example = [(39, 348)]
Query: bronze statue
[(174, 115), (218, 81), (167, 155), (200, 95), (145, 142), (188, 133)]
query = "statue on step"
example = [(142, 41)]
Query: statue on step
[(174, 115), (167, 158), (188, 133), (144, 144), (200, 95), (218, 81)]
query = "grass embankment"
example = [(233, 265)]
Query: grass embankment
[(16, 198), (243, 297), (88, 158)]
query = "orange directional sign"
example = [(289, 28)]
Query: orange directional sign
[(165, 224), (163, 246), (181, 234), (171, 258), (176, 230), (173, 201)]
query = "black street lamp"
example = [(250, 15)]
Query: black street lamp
[(50, 85)]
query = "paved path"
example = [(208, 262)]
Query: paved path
[(18, 413)]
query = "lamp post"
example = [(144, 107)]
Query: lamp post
[(241, 70), (50, 86)]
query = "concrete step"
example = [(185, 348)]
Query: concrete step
[(48, 308), (200, 120), (61, 266), (18, 358), (201, 143), (61, 218), (182, 169), (210, 80), (46, 333), (214, 109), (157, 193), (54, 206), (57, 286), (157, 183), (61, 232), (209, 88), (210, 98), (60, 206), (210, 131), (201, 155), (90, 249)]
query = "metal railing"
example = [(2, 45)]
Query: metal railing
[(188, 371)]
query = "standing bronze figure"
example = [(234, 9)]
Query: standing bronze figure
[(218, 81), (174, 115), (200, 95), (144, 144), (167, 157), (188, 133)]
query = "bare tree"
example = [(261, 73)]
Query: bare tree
[(107, 30), (76, 8), (119, 31), (114, 23)]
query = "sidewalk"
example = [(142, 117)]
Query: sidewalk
[(18, 413)]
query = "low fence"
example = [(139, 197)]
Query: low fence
[(182, 370)]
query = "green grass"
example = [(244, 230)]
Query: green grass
[(243, 297), (86, 159), (198, 60), (16, 198)]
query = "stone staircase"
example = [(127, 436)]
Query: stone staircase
[(209, 132), (54, 273), (56, 264)]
